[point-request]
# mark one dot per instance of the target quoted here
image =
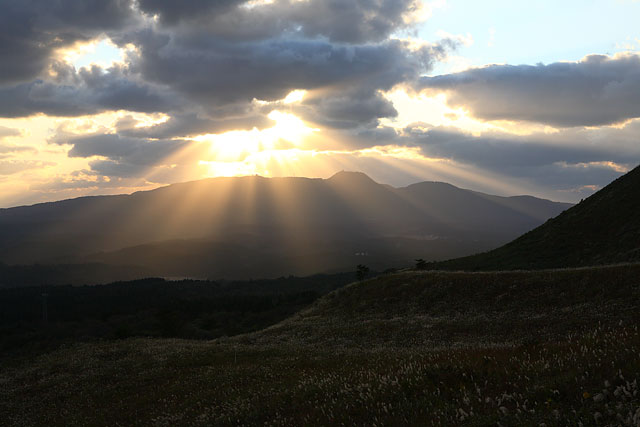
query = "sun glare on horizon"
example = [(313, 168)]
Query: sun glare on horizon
[(245, 152)]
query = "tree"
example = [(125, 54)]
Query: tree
[(361, 272), (421, 264)]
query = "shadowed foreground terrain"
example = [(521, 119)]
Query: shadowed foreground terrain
[(559, 347), (151, 308)]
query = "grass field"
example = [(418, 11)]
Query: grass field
[(430, 348)]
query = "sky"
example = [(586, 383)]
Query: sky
[(505, 97)]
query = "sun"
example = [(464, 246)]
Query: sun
[(288, 127), (247, 152)]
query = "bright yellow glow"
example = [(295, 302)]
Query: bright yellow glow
[(409, 153), (255, 3), (433, 111), (291, 147), (236, 146), (288, 127), (105, 122), (294, 96), (229, 168), (146, 120), (45, 162)]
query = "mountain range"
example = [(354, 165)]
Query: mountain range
[(244, 227)]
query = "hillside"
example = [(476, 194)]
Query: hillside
[(449, 309), (602, 229), (247, 227), (435, 348)]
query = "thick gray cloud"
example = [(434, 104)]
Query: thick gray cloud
[(502, 151), (89, 91), (133, 151), (345, 21), (211, 71), (567, 160), (569, 164), (172, 12), (595, 91), (348, 109), (344, 80), (112, 168), (30, 30), (123, 157), (203, 58)]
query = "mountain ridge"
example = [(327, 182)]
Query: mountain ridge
[(212, 179), (303, 225), (602, 229)]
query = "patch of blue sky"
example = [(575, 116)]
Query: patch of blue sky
[(103, 53), (531, 32)]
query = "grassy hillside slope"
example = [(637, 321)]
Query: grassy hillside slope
[(602, 229), (520, 348), (449, 309)]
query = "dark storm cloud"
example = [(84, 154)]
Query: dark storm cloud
[(345, 21), (30, 30), (595, 91), (89, 91)]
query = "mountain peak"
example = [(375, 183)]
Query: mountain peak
[(351, 176)]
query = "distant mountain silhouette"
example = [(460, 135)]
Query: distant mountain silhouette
[(602, 229), (252, 226)]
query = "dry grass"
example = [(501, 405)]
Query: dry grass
[(435, 357)]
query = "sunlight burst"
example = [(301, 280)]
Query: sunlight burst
[(237, 147)]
